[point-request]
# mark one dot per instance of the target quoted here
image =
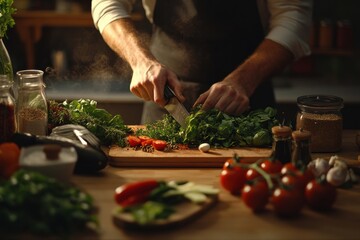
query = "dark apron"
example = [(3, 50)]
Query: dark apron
[(202, 41)]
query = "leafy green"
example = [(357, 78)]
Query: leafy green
[(6, 20), (32, 202), (217, 128), (110, 129)]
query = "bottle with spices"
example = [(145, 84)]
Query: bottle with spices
[(31, 107), (301, 154), (281, 148), (321, 116), (7, 110), (326, 34), (344, 35)]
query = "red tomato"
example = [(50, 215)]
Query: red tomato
[(320, 196), (144, 138), (147, 142), (294, 176), (133, 141), (159, 145), (271, 167), (256, 196), (252, 174), (287, 202), (133, 193), (233, 179)]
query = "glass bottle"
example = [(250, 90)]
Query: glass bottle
[(321, 115), (31, 107), (301, 154), (281, 148), (7, 110)]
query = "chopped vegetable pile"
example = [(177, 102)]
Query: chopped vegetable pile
[(31, 202), (217, 128)]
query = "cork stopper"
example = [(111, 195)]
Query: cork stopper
[(281, 131), (52, 151), (301, 134)]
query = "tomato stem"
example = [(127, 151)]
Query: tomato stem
[(264, 174)]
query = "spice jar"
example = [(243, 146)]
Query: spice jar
[(344, 35), (281, 148), (7, 110), (321, 115), (326, 34), (31, 108), (301, 155)]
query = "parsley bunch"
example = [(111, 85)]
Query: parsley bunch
[(6, 20)]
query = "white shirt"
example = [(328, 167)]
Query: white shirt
[(286, 22)]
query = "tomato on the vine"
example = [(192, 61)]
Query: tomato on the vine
[(256, 195), (233, 179), (320, 195), (271, 166), (295, 176), (252, 174), (287, 202), (147, 142)]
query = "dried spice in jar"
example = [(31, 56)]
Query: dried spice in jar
[(31, 107), (321, 116)]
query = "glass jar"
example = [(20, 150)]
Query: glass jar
[(326, 34), (321, 116), (31, 107), (7, 109)]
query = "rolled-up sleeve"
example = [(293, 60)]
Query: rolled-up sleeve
[(290, 24), (105, 11)]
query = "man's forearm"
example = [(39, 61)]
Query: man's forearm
[(123, 38), (268, 59)]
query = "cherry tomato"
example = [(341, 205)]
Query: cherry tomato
[(144, 138), (295, 176), (133, 193), (252, 174), (271, 166), (147, 142), (9, 159), (133, 141), (287, 202), (320, 195), (159, 145), (233, 179), (256, 195)]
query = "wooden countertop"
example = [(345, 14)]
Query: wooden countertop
[(230, 218)]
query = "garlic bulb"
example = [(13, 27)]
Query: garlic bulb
[(337, 176), (204, 147)]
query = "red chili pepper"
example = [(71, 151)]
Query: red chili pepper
[(134, 193)]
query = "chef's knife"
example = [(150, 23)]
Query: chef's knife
[(174, 106)]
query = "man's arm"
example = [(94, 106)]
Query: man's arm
[(149, 76), (232, 94)]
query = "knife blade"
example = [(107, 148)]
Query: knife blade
[(174, 106)]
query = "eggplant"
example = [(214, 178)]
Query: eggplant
[(90, 159)]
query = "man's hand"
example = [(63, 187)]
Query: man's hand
[(227, 96), (149, 82)]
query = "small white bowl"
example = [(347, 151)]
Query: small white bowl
[(60, 167)]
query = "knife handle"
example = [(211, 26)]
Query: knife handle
[(168, 92)]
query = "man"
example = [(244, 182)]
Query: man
[(218, 53)]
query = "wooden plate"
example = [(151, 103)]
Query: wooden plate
[(184, 212)]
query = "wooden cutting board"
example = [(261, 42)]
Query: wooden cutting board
[(128, 157)]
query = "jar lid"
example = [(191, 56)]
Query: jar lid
[(324, 102), (301, 134), (281, 131)]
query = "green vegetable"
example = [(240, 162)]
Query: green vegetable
[(108, 128), (6, 20), (34, 203)]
